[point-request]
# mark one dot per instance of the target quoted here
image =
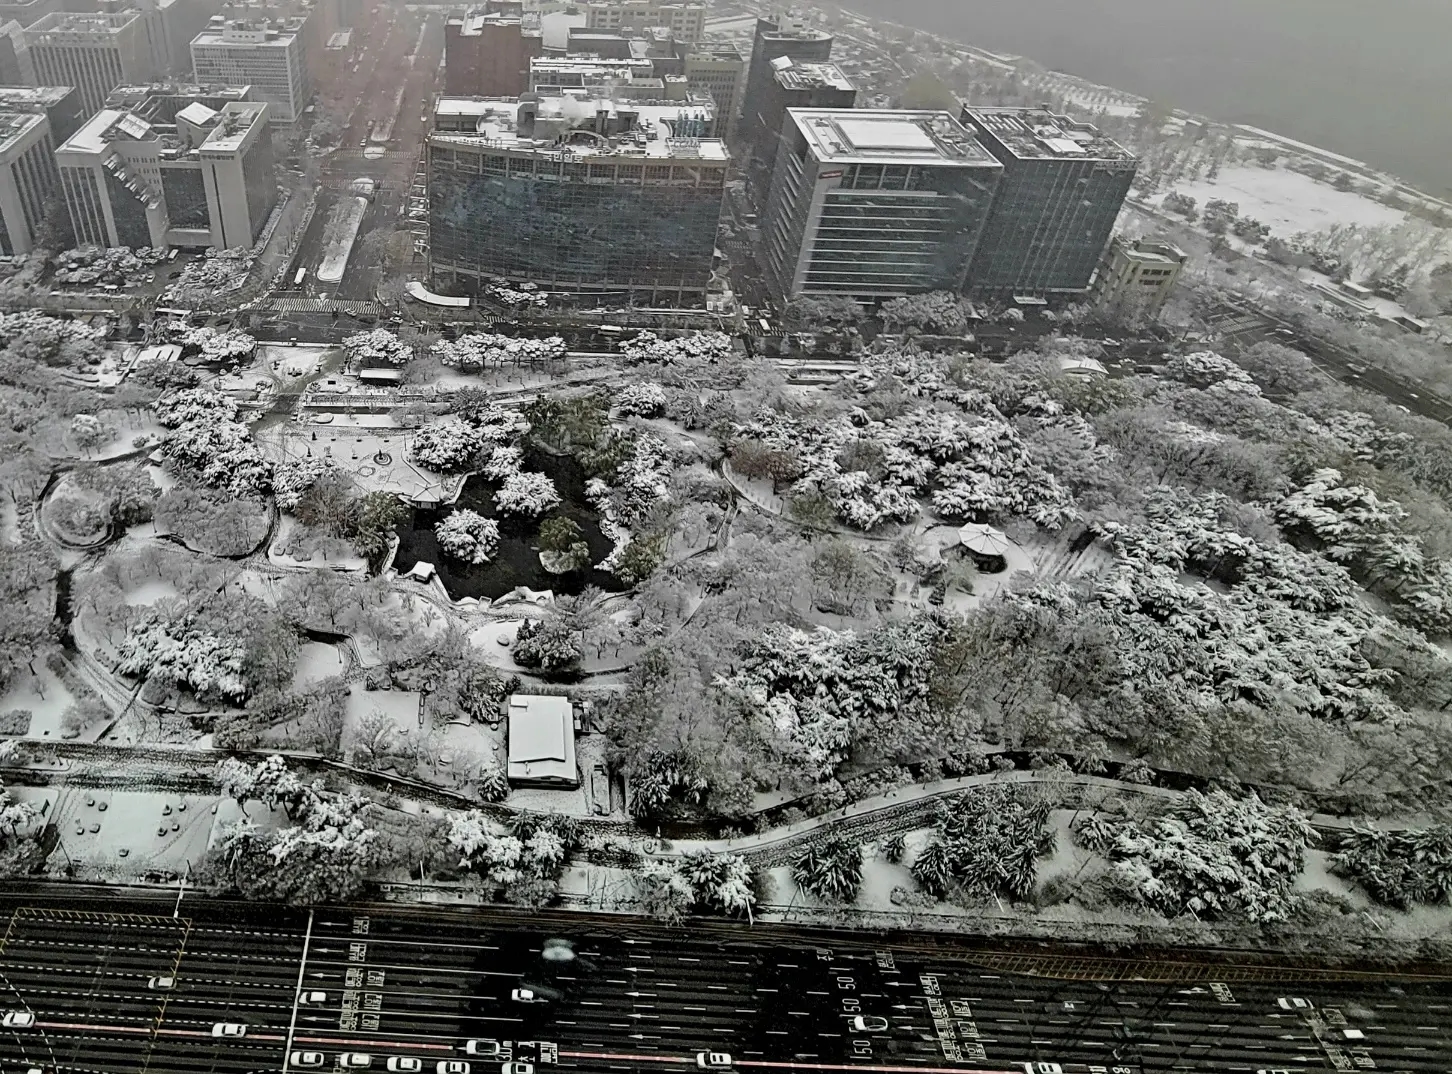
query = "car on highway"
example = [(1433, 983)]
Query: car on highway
[(451, 1066), (526, 995), (306, 1059), (308, 999), (516, 1068), (404, 1064), (355, 1060), (18, 1019), (869, 1023), (229, 1029), (1293, 1003), (1043, 1068), (484, 1049), (713, 1060), (160, 984), (1273, 1070)]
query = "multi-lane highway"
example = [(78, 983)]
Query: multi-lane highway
[(391, 982)]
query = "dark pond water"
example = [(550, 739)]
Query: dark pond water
[(516, 562)]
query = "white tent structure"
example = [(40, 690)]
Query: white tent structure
[(984, 540), (542, 741)]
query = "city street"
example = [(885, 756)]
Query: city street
[(635, 997)]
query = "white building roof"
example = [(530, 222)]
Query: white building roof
[(542, 740), (883, 136), (197, 113)]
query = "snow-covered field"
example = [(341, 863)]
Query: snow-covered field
[(1290, 202)]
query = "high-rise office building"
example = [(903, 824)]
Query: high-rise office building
[(1063, 186), (27, 179), (487, 54), (796, 85), (875, 204), (686, 21), (193, 176), (576, 192), (27, 12), (61, 106), (269, 56), (774, 39), (94, 53), (15, 66), (719, 70)]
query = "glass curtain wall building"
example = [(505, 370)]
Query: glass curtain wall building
[(1063, 186), (875, 204), (581, 195)]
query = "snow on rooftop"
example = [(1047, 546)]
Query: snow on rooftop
[(850, 135), (197, 113)]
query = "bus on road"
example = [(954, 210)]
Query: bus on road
[(297, 281)]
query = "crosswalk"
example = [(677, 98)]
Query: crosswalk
[(324, 305)]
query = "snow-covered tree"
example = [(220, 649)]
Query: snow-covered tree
[(504, 461), (703, 347), (51, 341), (940, 312), (293, 477), (988, 841), (175, 651), (1206, 369), (1401, 868), (646, 399), (194, 404), (550, 645), (468, 535), (1209, 855), (447, 446), (830, 869), (377, 346), (526, 493), (490, 351)]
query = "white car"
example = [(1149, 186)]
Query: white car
[(306, 1059), (1293, 1003), (1273, 1070), (452, 1066), (355, 1060), (161, 984), (229, 1029), (868, 1023), (516, 1068), (404, 1064), (18, 1019), (713, 1060), (1043, 1068), (485, 1049), (1353, 1034), (308, 999), (525, 995)]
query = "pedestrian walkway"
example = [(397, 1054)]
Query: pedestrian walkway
[(323, 305)]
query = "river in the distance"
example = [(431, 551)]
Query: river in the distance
[(1371, 79)]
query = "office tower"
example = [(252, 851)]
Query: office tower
[(774, 39), (154, 174), (719, 70), (1138, 276), (61, 106), (27, 12), (874, 204), (269, 56), (796, 85), (93, 53), (1063, 186), (685, 21), (576, 192), (487, 54), (27, 179)]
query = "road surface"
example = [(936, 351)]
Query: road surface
[(638, 998)]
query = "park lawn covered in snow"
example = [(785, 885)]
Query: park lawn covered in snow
[(316, 661), (151, 826), (44, 696), (1290, 202)]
